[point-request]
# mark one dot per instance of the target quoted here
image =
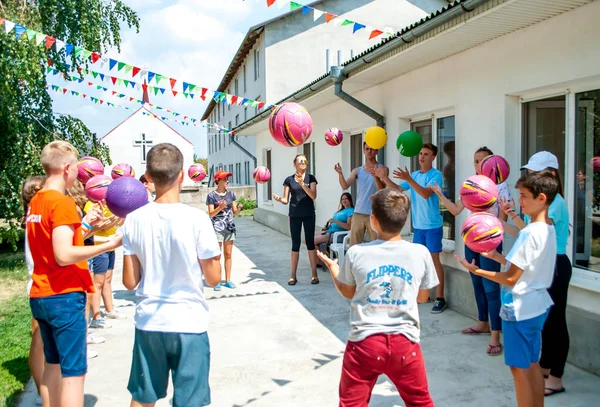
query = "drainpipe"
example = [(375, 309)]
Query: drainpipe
[(238, 145), (338, 77)]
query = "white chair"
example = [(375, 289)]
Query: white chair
[(341, 242)]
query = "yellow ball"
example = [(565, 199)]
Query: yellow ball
[(376, 137)]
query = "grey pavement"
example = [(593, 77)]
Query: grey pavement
[(276, 345)]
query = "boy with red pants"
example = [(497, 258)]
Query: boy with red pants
[(384, 279)]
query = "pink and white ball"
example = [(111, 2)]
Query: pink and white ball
[(290, 124), (482, 232), (478, 193), (495, 168), (96, 187), (122, 170), (334, 136), (197, 172), (125, 195), (261, 174), (89, 167)]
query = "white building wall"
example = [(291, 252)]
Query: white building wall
[(121, 143), (481, 87)]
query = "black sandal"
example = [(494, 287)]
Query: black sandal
[(314, 280), (292, 281)]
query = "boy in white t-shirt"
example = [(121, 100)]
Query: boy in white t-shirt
[(384, 280), (168, 247), (525, 299)]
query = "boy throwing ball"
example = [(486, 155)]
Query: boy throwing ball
[(384, 280), (168, 247), (524, 295)]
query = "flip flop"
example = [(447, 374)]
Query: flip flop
[(314, 280), (471, 331), (494, 347), (292, 281), (553, 391)]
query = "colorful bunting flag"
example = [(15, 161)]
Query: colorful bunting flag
[(8, 26), (135, 71), (317, 14), (294, 5), (49, 41), (357, 27), (19, 30), (111, 64), (329, 17), (375, 33), (306, 10)]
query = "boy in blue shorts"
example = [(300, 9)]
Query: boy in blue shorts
[(168, 247), (524, 295), (425, 210)]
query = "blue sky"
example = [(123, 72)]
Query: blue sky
[(190, 40)]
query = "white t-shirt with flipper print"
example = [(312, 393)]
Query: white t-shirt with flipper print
[(169, 240), (388, 276)]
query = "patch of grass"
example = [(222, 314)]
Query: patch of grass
[(15, 328)]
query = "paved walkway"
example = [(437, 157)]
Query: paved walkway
[(276, 345)]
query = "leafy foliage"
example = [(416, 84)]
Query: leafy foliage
[(248, 204), (27, 121), (203, 161)]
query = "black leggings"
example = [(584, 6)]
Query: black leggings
[(309, 232), (555, 335)]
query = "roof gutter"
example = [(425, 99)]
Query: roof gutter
[(406, 38)]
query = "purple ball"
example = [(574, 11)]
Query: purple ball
[(125, 195)]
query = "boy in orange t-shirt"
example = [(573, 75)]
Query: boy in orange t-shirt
[(61, 277)]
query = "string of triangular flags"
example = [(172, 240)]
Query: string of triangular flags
[(217, 96), (343, 22), (194, 121), (85, 55)]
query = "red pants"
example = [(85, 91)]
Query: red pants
[(392, 355)]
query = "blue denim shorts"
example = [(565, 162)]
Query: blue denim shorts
[(522, 341), (186, 356), (63, 329), (103, 262), (430, 238)]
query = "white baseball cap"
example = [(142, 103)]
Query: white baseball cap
[(540, 161)]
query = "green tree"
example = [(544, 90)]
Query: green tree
[(203, 161), (27, 121)]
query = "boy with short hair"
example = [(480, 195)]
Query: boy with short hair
[(384, 279), (168, 247), (426, 217), (60, 276), (524, 295)]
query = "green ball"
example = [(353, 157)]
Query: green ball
[(409, 143)]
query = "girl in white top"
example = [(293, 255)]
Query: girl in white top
[(487, 292)]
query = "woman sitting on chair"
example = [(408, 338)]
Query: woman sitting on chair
[(340, 222)]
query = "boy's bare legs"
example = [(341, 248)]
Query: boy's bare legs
[(136, 404), (107, 292), (72, 391), (529, 386), (36, 355), (51, 385), (439, 270), (227, 252)]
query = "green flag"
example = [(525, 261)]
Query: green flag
[(39, 38), (347, 22), (95, 74), (78, 51), (31, 34), (86, 54), (120, 65), (294, 6), (128, 68)]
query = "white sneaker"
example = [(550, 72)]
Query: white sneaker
[(91, 354), (95, 340), (100, 324), (38, 400), (114, 314)]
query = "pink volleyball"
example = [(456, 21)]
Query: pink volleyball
[(334, 136), (482, 232), (122, 170), (89, 167), (290, 124), (197, 172), (596, 164), (96, 187), (495, 168), (261, 174), (478, 193)]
